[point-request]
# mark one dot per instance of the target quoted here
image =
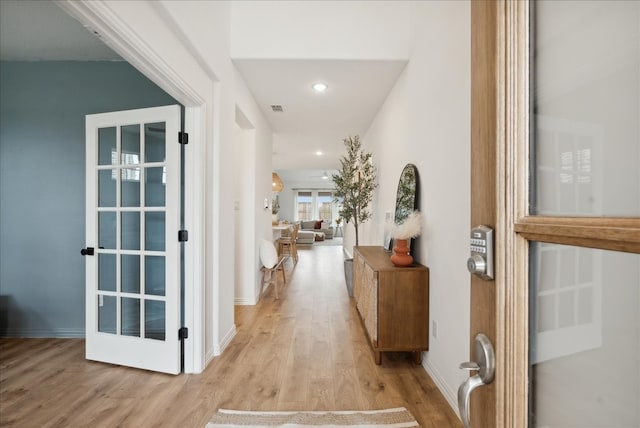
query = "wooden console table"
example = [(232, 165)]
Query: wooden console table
[(393, 302)]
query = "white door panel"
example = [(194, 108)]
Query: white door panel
[(133, 218)]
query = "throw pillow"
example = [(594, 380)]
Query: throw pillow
[(318, 224), (306, 225)]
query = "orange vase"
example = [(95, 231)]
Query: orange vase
[(401, 256)]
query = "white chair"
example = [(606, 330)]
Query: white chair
[(271, 263)]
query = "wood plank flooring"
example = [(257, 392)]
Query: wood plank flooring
[(305, 351)]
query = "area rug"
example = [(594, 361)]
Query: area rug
[(335, 242), (398, 417)]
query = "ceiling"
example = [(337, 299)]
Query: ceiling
[(309, 123)]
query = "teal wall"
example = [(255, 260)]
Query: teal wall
[(42, 185)]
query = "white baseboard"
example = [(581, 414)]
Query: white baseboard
[(209, 357), (219, 348), (62, 333), (450, 396), (243, 301)]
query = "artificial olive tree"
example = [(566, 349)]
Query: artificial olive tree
[(355, 183)]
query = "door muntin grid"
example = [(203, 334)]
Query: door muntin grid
[(131, 173)]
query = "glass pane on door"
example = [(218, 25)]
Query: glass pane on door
[(107, 188), (154, 312), (107, 314), (107, 153), (154, 136), (586, 108), (154, 231), (584, 337), (584, 332), (130, 316), (107, 272), (107, 230), (130, 273), (130, 193), (154, 275), (130, 153), (155, 187)]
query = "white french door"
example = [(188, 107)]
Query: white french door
[(133, 253)]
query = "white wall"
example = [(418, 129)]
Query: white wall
[(244, 207), (204, 29), (257, 173), (425, 121), (206, 25)]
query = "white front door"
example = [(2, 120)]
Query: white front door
[(133, 253)]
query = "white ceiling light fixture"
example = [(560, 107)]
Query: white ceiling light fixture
[(319, 87), (319, 153)]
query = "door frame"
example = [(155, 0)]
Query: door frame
[(500, 137), (120, 38), (499, 171)]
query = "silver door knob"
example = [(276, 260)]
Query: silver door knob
[(485, 365), (477, 264)]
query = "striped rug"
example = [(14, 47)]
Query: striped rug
[(398, 417)]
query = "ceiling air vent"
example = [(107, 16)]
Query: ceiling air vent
[(277, 108)]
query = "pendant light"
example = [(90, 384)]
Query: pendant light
[(276, 184)]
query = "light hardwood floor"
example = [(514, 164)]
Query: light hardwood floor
[(305, 351)]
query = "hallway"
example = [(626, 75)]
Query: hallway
[(308, 351), (305, 351)]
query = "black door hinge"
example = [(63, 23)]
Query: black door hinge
[(183, 236), (183, 138), (183, 333)]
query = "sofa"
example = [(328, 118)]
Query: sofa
[(317, 226)]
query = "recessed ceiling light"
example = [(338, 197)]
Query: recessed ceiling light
[(319, 87), (318, 153)]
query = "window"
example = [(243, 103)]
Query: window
[(315, 205), (304, 207), (325, 205)]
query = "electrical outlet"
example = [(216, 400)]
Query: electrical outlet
[(434, 329)]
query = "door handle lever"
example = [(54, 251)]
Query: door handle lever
[(89, 251), (484, 364), (464, 395)]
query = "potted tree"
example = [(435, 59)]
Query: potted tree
[(275, 209), (354, 186)]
